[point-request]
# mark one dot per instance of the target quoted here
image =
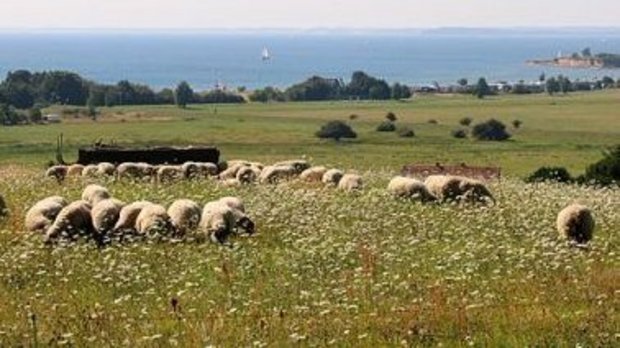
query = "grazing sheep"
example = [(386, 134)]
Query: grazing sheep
[(73, 219), (152, 220), (234, 203), (95, 193), (198, 170), (169, 173), (185, 215), (350, 182), (3, 209), (410, 188), (231, 171), (242, 220), (217, 221), (247, 175), (274, 174), (299, 165), (106, 168), (58, 172), (128, 215), (474, 191), (43, 213), (105, 215), (132, 170), (90, 170), (444, 187), (75, 170), (576, 223), (230, 183), (332, 177), (313, 174)]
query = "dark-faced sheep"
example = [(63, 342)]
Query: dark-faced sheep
[(58, 172), (332, 177), (275, 174), (410, 188), (217, 221), (299, 165), (576, 223)]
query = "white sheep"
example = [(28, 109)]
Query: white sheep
[(132, 170), (332, 177), (410, 188), (153, 220), (59, 172), (198, 170), (576, 223), (43, 213), (75, 170), (106, 168), (234, 203), (242, 220), (94, 193), (444, 187), (299, 165), (168, 173), (313, 174), (90, 170), (73, 219), (350, 182), (128, 215), (231, 171), (185, 215), (217, 221), (105, 215), (275, 174), (230, 183)]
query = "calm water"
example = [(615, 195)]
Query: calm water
[(235, 60)]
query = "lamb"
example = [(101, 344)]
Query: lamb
[(75, 170), (313, 174), (73, 219), (95, 193), (59, 172), (576, 223), (332, 177), (410, 188), (242, 220), (105, 215), (169, 173), (43, 213), (299, 165), (90, 171), (247, 175), (350, 182), (274, 174), (217, 221), (106, 168), (184, 215), (153, 220), (128, 215)]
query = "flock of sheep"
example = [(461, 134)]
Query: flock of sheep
[(99, 215)]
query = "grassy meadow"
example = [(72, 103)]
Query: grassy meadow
[(327, 268)]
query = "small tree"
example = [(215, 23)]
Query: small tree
[(607, 170), (183, 94), (482, 88), (492, 130), (390, 116), (517, 124), (608, 82), (552, 86), (542, 77), (565, 84), (386, 126), (557, 174), (462, 82), (586, 52), (35, 115), (465, 121), (336, 130), (459, 133)]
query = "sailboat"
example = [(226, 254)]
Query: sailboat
[(265, 55)]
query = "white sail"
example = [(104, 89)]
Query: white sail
[(266, 55)]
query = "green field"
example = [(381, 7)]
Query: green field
[(327, 268)]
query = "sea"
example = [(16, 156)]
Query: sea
[(233, 60)]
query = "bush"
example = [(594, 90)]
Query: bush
[(406, 132), (353, 117), (606, 171), (517, 124), (543, 174), (390, 116), (336, 130), (459, 133), (491, 130), (433, 121), (386, 126), (465, 121)]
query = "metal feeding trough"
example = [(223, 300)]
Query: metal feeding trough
[(151, 155)]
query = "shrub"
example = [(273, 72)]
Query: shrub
[(353, 117), (517, 124), (491, 130), (433, 121), (390, 116), (606, 171), (459, 133), (406, 132), (335, 130), (386, 126), (465, 121), (543, 174)]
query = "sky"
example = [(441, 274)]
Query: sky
[(230, 14)]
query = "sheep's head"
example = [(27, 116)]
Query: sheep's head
[(247, 225), (220, 235)]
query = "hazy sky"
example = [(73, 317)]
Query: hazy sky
[(305, 13)]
